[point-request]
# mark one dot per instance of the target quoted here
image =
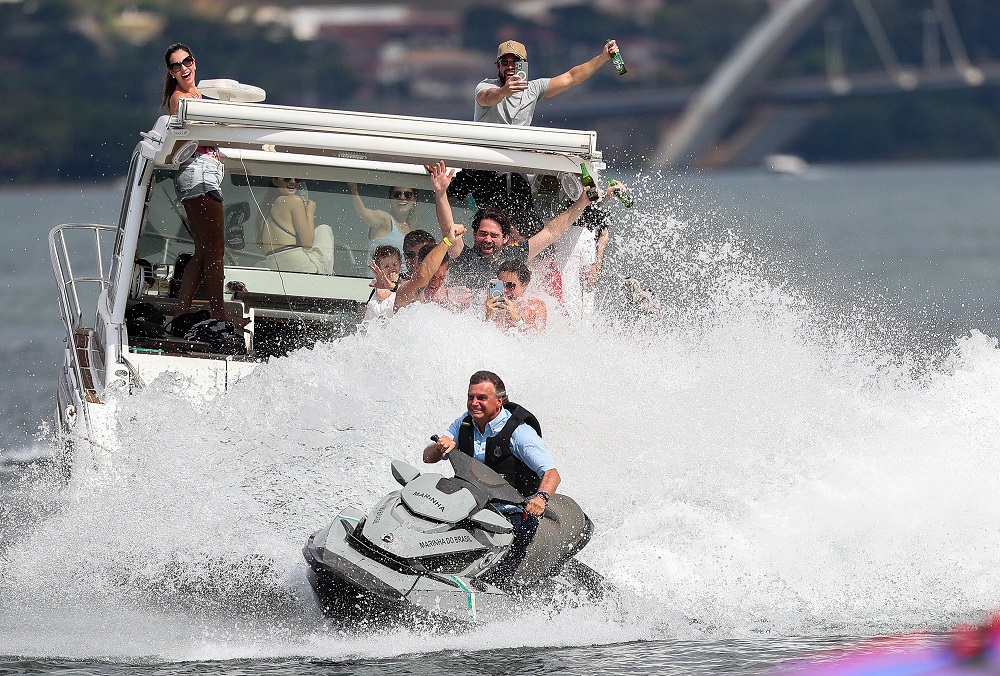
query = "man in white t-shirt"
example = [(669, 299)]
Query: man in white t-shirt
[(507, 99)]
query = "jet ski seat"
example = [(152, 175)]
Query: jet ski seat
[(563, 531)]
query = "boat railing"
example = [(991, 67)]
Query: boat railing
[(71, 244)]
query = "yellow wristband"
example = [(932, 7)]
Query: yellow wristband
[(447, 241)]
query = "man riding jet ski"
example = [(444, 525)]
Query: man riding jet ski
[(460, 549)]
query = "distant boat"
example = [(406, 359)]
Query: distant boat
[(792, 165)]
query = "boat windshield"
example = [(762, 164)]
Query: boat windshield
[(351, 216), (263, 230)]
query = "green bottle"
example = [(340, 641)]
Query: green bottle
[(619, 62), (624, 196), (588, 183)]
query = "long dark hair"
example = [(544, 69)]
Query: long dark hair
[(169, 83)]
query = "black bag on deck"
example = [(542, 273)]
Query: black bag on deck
[(180, 325), (221, 335), (143, 320)]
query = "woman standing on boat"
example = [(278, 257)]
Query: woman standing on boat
[(198, 183)]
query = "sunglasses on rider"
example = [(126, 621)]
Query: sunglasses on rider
[(401, 194), (507, 62), (176, 66)]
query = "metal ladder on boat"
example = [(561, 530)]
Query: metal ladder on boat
[(85, 368)]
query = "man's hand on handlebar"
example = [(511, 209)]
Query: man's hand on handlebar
[(439, 450)]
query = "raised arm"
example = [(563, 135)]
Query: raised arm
[(408, 290), (580, 74), (378, 222), (490, 96), (558, 226), (441, 178), (594, 274)]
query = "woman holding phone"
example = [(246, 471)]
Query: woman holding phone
[(512, 309)]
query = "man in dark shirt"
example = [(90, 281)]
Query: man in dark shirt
[(491, 228)]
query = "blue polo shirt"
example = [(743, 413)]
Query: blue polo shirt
[(525, 443)]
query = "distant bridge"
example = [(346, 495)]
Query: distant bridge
[(688, 123)]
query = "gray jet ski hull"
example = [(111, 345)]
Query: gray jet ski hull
[(364, 589)]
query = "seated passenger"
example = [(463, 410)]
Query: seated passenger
[(513, 309), (388, 227), (386, 262), (287, 234)]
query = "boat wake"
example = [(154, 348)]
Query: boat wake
[(752, 467)]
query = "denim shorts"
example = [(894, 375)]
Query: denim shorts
[(200, 175)]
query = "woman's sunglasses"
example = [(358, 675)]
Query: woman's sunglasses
[(401, 194), (177, 65)]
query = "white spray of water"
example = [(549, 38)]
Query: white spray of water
[(749, 471)]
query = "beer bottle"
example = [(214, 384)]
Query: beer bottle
[(624, 196), (619, 62), (588, 183)]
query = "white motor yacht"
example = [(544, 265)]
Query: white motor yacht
[(102, 271)]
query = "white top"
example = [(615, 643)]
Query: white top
[(380, 309), (575, 252), (393, 238), (516, 109)]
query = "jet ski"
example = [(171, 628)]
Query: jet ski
[(433, 551)]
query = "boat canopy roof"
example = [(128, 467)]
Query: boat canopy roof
[(300, 137)]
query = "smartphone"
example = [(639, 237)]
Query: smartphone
[(522, 70), (496, 288)]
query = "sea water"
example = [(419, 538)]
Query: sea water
[(794, 443)]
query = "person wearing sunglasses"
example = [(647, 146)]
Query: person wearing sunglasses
[(198, 184), (388, 227), (508, 99), (427, 283), (513, 309), (413, 242)]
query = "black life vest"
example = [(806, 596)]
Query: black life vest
[(498, 455)]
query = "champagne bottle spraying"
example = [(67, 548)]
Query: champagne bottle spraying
[(624, 196), (588, 183)]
